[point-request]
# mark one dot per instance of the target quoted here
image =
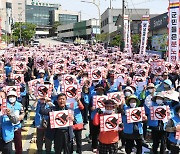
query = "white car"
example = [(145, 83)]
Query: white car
[(36, 43)]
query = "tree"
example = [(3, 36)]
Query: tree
[(54, 27), (102, 37), (27, 30), (135, 40), (116, 41)]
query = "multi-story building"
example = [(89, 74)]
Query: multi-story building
[(111, 19), (84, 29), (6, 15), (38, 12)]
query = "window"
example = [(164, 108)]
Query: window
[(19, 3), (67, 19), (19, 8), (115, 18)]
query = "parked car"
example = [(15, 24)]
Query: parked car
[(36, 43)]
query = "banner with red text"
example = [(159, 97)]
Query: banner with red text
[(174, 31)]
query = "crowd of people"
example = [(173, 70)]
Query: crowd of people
[(123, 97)]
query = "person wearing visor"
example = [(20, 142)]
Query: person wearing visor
[(15, 107), (94, 130), (128, 91)]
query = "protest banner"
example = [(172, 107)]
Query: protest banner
[(135, 114), (59, 119), (110, 122)]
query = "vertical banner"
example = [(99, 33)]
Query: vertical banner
[(144, 33), (174, 30), (126, 21), (129, 39)]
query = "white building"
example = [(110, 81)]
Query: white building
[(84, 29), (110, 16)]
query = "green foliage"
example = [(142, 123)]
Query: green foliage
[(116, 41), (10, 38), (135, 40), (102, 37), (54, 27), (28, 30)]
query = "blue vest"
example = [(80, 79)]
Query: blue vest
[(56, 84), (7, 129), (128, 127), (8, 70), (113, 88), (16, 108), (77, 114), (86, 98), (38, 116), (172, 135)]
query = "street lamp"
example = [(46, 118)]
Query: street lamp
[(97, 5)]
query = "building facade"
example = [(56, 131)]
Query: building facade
[(84, 29), (111, 19), (6, 8), (38, 12), (158, 32)]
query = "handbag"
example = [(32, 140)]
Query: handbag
[(44, 123)]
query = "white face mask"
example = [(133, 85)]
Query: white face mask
[(159, 102), (151, 90), (95, 83), (127, 93), (166, 86), (179, 114), (12, 99), (108, 111), (132, 105)]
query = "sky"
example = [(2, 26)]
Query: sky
[(90, 11)]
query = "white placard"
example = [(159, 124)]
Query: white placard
[(110, 122), (160, 113), (60, 119), (135, 114)]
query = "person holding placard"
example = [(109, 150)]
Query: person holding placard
[(63, 134), (41, 125), (108, 137), (133, 131), (173, 127), (157, 122)]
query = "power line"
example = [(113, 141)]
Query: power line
[(135, 9), (147, 1)]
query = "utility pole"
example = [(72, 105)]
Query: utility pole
[(123, 13)]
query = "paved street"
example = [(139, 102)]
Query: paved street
[(48, 41)]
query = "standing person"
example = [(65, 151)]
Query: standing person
[(41, 127), (94, 130), (62, 136), (7, 131), (78, 124), (108, 141), (157, 126), (17, 109), (85, 98), (172, 127), (133, 132)]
